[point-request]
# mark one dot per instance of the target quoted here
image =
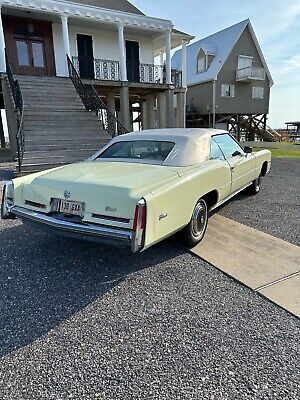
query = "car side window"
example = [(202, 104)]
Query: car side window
[(228, 145), (215, 151)]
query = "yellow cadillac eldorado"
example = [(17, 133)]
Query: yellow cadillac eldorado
[(140, 188)]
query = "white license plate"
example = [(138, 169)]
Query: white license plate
[(71, 207)]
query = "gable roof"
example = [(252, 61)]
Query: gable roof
[(221, 44), (117, 5)]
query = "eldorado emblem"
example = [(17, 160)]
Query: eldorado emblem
[(67, 194)]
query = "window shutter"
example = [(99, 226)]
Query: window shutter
[(232, 89), (223, 90)]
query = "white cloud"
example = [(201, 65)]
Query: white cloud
[(293, 63)]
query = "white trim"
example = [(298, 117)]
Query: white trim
[(242, 56), (89, 12)]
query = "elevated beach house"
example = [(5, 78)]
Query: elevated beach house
[(229, 82), (75, 73)]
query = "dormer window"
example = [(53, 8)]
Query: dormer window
[(204, 59)]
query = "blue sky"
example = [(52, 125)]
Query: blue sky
[(276, 24)]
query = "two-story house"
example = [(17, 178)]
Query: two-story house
[(63, 58), (228, 82)]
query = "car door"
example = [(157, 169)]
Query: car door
[(242, 165), (224, 186)]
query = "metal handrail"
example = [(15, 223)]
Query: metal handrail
[(18, 100), (93, 103), (151, 73), (100, 69)]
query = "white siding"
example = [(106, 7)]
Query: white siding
[(105, 45)]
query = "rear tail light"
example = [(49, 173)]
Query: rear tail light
[(139, 224)]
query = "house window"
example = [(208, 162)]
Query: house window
[(244, 62), (257, 92), (227, 90), (201, 64)]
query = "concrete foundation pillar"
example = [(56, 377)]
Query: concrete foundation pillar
[(180, 110), (170, 108), (111, 105), (144, 115), (161, 109), (150, 98), (124, 105)]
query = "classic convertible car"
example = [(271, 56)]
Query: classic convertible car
[(140, 188)]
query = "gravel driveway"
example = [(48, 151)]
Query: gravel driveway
[(275, 209), (80, 321)]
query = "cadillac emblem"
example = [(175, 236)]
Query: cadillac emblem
[(67, 194)]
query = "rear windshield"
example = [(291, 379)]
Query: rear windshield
[(139, 149)]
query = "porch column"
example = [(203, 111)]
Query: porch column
[(2, 47), (122, 53), (161, 62), (66, 40), (183, 84), (183, 64), (168, 58), (150, 110), (161, 108)]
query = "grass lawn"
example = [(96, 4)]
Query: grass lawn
[(281, 152)]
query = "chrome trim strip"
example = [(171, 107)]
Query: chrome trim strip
[(88, 229), (229, 197)]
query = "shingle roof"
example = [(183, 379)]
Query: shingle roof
[(118, 5), (221, 44)]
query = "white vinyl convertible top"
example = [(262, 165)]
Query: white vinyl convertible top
[(192, 146)]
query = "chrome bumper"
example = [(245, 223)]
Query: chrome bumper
[(115, 236)]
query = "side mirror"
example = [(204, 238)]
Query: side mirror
[(236, 153), (248, 149)]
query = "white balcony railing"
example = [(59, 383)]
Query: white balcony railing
[(251, 73)]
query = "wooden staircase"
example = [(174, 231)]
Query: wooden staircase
[(56, 126)]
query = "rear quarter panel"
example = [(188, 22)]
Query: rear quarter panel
[(176, 201)]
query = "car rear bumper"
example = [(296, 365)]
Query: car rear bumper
[(102, 234)]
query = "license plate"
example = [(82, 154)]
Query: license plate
[(71, 207)]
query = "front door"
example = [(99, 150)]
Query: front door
[(29, 46), (85, 56), (133, 61), (31, 58)]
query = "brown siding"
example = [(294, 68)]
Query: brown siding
[(200, 96), (242, 103)]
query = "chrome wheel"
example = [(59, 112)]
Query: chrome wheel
[(199, 220)]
